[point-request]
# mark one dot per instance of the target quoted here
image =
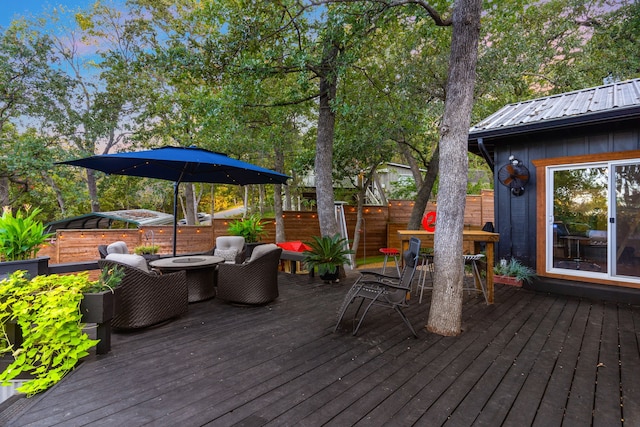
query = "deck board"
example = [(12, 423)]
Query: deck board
[(529, 359)]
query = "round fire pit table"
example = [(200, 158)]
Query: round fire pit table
[(200, 270)]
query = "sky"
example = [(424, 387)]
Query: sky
[(9, 9)]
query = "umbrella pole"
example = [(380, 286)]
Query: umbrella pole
[(175, 216)]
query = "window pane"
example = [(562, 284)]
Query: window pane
[(627, 220), (580, 219)]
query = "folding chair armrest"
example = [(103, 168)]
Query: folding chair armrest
[(379, 276), (374, 283)]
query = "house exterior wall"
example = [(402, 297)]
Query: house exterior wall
[(516, 217)]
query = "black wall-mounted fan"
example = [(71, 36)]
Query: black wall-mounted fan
[(514, 175)]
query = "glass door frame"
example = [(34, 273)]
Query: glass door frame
[(542, 184), (609, 274)]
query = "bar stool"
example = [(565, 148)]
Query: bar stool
[(426, 269), (395, 253), (477, 279)]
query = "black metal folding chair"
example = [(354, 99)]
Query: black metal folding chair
[(382, 290)]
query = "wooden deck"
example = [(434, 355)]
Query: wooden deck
[(529, 359)]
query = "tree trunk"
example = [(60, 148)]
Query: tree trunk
[(362, 191), (287, 198), (189, 202), (277, 197), (93, 190), (261, 198), (56, 190), (424, 192), (445, 314), (411, 161), (324, 145)]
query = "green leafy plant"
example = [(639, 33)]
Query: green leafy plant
[(250, 228), (327, 253), (146, 250), (109, 279), (46, 309), (21, 235), (514, 268)]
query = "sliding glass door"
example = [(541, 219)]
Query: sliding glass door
[(593, 227), (579, 212), (625, 222)]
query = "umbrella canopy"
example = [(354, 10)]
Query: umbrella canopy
[(181, 164)]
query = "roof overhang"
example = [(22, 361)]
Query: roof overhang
[(563, 123), (112, 219)]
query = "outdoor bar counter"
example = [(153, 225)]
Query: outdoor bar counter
[(475, 236)]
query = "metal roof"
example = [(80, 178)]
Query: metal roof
[(611, 101), (137, 217)]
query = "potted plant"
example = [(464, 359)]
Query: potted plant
[(99, 302), (512, 272), (327, 254), (251, 228), (21, 237), (45, 309), (149, 252)]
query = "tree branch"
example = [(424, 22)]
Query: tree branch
[(287, 103), (431, 11)]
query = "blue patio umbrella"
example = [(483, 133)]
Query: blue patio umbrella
[(181, 164)]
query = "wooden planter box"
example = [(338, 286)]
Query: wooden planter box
[(34, 267), (507, 280)]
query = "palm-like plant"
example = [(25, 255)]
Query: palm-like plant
[(327, 253), (21, 235), (250, 228)]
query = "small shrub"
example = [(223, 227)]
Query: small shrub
[(250, 228), (146, 250), (514, 268)]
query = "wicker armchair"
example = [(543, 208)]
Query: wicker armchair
[(144, 299), (253, 282)]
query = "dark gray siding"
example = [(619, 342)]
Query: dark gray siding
[(515, 217)]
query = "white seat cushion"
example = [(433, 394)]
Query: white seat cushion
[(133, 260), (118, 247), (260, 250), (230, 242)]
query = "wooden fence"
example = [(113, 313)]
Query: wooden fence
[(378, 230)]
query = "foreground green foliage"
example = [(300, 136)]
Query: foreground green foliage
[(46, 309), (21, 235)]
